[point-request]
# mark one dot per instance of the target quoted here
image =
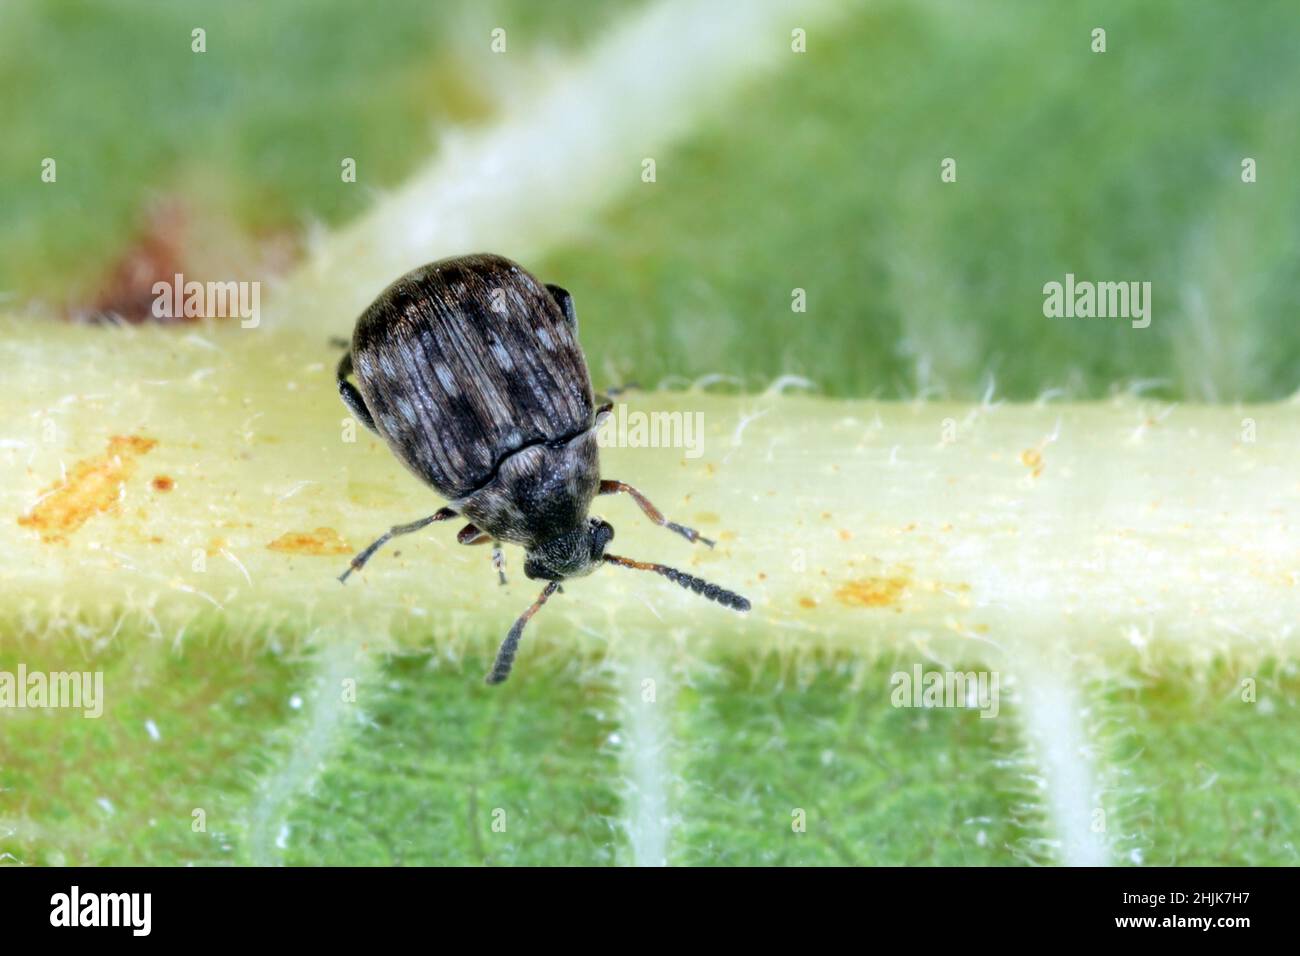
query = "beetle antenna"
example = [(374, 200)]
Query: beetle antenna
[(510, 646), (689, 581)]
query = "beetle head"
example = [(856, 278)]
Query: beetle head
[(578, 552), (570, 555)]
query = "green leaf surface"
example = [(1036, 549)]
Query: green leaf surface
[(1137, 598)]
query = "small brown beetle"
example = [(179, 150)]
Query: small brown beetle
[(471, 372)]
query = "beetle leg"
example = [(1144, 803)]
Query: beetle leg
[(565, 302), (499, 562), (351, 397), (606, 397), (651, 512), (442, 514), (618, 390), (472, 534)]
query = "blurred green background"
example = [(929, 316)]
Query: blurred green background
[(824, 176)]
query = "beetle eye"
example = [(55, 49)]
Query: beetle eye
[(602, 533)]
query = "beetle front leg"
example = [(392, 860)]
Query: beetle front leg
[(359, 562), (651, 512)]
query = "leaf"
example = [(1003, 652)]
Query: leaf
[(1124, 569)]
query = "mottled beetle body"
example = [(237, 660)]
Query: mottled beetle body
[(471, 372), (474, 378)]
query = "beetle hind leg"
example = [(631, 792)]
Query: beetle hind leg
[(653, 513), (351, 397), (565, 302)]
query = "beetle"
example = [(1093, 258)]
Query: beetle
[(470, 370)]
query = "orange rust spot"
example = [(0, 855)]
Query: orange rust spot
[(873, 592), (845, 534), (1032, 459), (216, 545), (762, 575), (90, 488), (163, 483), (318, 542), (807, 602)]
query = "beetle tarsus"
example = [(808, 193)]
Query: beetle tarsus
[(612, 487), (690, 534), (499, 562)]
